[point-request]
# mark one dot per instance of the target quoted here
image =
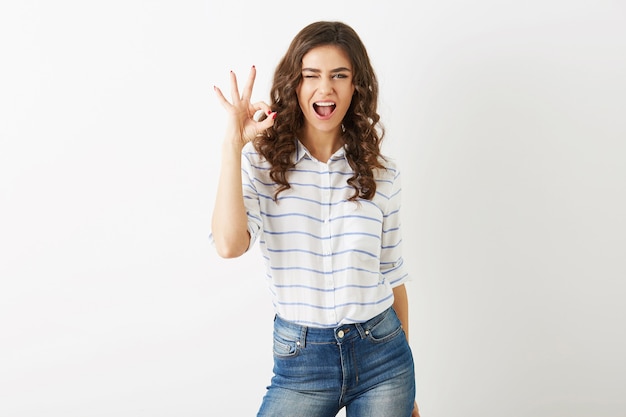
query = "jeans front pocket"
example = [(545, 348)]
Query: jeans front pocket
[(386, 329), (285, 348)]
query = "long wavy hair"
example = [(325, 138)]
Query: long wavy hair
[(362, 132)]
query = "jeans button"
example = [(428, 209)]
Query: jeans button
[(340, 334)]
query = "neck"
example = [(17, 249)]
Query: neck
[(322, 145)]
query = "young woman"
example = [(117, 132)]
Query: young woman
[(309, 182)]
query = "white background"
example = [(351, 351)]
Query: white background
[(506, 117)]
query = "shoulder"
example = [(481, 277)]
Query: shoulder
[(249, 148), (251, 153), (390, 170)]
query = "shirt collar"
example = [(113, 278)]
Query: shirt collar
[(302, 151)]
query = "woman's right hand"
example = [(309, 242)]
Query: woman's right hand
[(242, 126)]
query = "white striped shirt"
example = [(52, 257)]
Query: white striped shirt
[(329, 261)]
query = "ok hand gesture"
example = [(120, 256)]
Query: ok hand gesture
[(242, 126)]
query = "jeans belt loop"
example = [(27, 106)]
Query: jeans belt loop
[(359, 327), (302, 340)]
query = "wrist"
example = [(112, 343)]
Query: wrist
[(231, 144)]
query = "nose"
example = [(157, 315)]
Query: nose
[(325, 86)]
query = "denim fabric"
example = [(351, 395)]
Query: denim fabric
[(367, 368)]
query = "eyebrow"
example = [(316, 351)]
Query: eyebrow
[(315, 70)]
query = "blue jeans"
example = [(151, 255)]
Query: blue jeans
[(367, 368)]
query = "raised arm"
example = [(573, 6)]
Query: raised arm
[(230, 221)]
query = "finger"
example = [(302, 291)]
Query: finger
[(416, 412), (260, 111), (247, 91), (268, 122), (221, 98), (234, 88)]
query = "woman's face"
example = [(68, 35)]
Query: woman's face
[(326, 89)]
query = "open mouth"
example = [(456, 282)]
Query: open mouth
[(324, 108)]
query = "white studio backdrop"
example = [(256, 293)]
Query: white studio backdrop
[(506, 117)]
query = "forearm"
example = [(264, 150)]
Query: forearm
[(401, 307), (230, 221)]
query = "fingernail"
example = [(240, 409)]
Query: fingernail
[(269, 112), (254, 67), (274, 116)]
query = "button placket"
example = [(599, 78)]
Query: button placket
[(326, 249)]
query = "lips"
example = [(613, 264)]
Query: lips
[(324, 109)]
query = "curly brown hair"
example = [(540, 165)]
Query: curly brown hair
[(362, 133)]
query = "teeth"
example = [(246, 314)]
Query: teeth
[(325, 104)]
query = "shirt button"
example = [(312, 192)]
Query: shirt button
[(340, 334)]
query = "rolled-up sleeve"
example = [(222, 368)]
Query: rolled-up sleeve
[(250, 198), (391, 261)]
